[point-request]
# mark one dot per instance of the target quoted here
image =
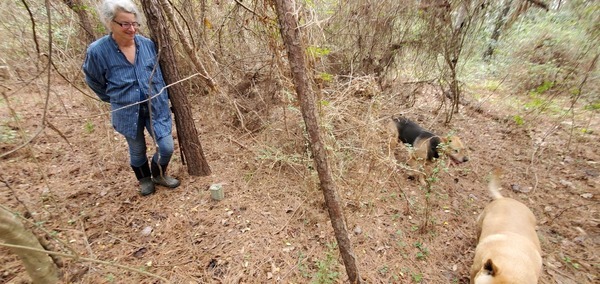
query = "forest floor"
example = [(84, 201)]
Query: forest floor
[(74, 181)]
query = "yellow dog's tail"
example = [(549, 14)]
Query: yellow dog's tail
[(494, 185)]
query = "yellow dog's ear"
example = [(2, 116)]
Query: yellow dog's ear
[(446, 140), (449, 136), (490, 268)]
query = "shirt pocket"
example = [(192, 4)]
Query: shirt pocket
[(152, 71)]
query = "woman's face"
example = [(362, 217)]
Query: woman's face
[(124, 26)]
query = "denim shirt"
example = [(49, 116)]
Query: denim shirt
[(115, 80)]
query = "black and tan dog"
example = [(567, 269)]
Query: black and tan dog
[(426, 145), (508, 249)]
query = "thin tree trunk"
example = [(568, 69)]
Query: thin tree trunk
[(186, 130), (187, 46), (452, 51), (290, 33), (39, 265), (497, 29), (84, 20)]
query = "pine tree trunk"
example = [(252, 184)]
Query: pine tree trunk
[(84, 20), (189, 140), (291, 37)]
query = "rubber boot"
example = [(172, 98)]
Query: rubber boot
[(144, 176), (160, 177)]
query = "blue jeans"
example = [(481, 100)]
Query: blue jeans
[(137, 145)]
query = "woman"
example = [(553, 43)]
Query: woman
[(122, 69)]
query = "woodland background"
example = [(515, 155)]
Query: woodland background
[(518, 80)]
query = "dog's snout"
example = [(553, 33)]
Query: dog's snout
[(465, 159)]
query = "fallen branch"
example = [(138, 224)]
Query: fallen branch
[(86, 259)]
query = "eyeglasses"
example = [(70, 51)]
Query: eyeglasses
[(127, 25)]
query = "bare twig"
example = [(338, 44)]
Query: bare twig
[(290, 219), (71, 83), (579, 92), (187, 24), (16, 196), (37, 132), (35, 224), (37, 45), (250, 10), (89, 260), (188, 46), (139, 102), (566, 209), (51, 126)]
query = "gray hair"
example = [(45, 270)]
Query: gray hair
[(109, 8)]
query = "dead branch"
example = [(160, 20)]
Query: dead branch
[(187, 45), (540, 4), (23, 243)]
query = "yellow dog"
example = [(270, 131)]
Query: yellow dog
[(508, 249)]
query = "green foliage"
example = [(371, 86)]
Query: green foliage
[(417, 277), (492, 85), (326, 273), (588, 12), (324, 102), (82, 8), (568, 260), (535, 102), (544, 54), (7, 134), (384, 270), (542, 88), (593, 106), (518, 120), (302, 266), (423, 251), (543, 49), (539, 102), (248, 176), (89, 127), (326, 77), (440, 165), (317, 52)]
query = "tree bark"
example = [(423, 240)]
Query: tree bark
[(290, 32), (39, 265), (189, 140), (497, 29), (187, 46), (84, 20)]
